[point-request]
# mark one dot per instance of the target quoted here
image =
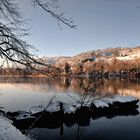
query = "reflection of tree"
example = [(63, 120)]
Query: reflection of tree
[(82, 86), (66, 82), (120, 86), (85, 88)]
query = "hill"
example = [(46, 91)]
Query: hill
[(107, 54)]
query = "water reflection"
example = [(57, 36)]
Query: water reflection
[(82, 117), (120, 86), (80, 85), (18, 93)]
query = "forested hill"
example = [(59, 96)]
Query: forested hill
[(110, 60), (97, 55)]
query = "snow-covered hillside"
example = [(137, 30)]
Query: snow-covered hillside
[(124, 54)]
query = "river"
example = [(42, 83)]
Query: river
[(18, 93)]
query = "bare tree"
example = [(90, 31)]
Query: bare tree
[(14, 50), (50, 7)]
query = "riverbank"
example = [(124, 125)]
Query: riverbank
[(72, 111)]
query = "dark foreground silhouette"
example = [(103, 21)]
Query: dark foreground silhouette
[(81, 116)]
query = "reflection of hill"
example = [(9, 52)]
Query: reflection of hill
[(120, 86), (77, 85), (35, 84)]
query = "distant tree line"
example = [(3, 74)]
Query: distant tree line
[(114, 66)]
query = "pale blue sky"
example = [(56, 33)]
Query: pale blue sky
[(101, 24)]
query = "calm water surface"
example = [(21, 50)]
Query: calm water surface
[(22, 93)]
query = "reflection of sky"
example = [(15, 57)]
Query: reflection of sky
[(101, 24), (20, 95), (14, 97)]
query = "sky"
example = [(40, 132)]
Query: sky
[(100, 24)]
